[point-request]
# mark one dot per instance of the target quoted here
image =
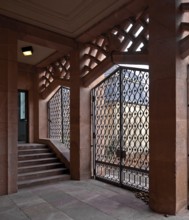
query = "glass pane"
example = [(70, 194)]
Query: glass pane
[(22, 105)]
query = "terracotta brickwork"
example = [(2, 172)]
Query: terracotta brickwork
[(8, 112), (57, 71), (168, 111)]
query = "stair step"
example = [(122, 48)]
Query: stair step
[(40, 167), (45, 180), (184, 6), (32, 146), (35, 156), (37, 161), (33, 151), (40, 174), (185, 26)]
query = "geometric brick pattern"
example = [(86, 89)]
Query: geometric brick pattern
[(58, 70), (131, 36), (93, 53)]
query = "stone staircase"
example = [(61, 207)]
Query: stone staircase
[(37, 164)]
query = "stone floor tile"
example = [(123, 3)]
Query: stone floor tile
[(39, 190), (102, 190), (58, 199), (104, 204), (25, 201), (52, 216), (78, 200), (123, 213), (70, 188), (13, 214), (6, 203), (34, 211), (21, 193), (83, 194), (51, 196), (125, 200), (82, 211)]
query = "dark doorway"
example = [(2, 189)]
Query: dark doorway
[(22, 116)]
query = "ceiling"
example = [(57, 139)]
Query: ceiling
[(70, 18)]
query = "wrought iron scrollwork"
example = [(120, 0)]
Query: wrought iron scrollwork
[(59, 116), (121, 117)]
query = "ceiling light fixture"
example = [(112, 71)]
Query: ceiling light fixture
[(27, 51)]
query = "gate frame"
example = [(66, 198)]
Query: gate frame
[(61, 106), (93, 127)]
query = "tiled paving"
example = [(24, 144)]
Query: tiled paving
[(77, 200)]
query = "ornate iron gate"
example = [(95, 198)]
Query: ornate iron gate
[(59, 116), (121, 128)]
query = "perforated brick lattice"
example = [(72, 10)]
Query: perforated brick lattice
[(131, 36)]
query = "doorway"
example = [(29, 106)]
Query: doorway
[(22, 116)]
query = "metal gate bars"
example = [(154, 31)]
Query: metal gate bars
[(121, 128), (59, 116)]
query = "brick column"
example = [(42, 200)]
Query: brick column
[(79, 123), (40, 110), (8, 112), (168, 110), (42, 118)]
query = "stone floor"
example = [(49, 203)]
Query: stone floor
[(78, 200)]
